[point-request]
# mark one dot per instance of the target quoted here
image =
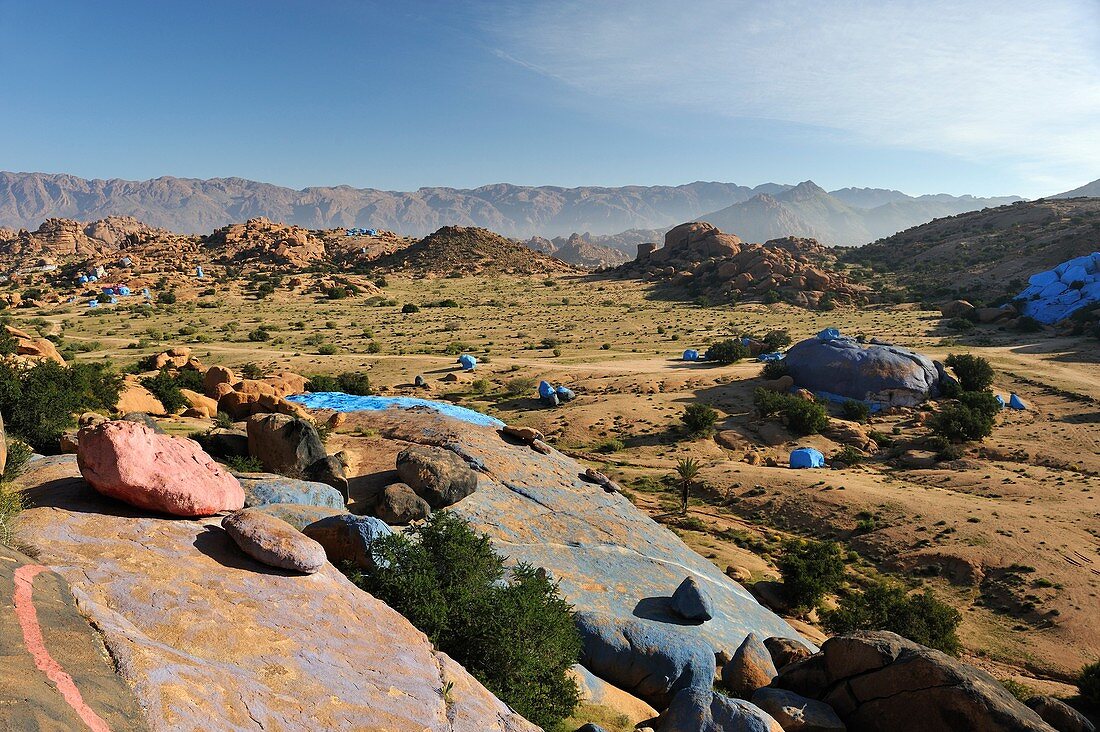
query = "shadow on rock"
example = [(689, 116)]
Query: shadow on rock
[(217, 544), (74, 494), (660, 609)]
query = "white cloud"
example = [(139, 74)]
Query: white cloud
[(999, 81)]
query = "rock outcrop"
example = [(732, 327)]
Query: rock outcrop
[(881, 682), (207, 637)]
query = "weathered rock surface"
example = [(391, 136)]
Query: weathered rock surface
[(304, 653), (399, 505), (298, 516), (347, 538), (284, 444), (438, 476), (273, 541), (330, 470), (224, 443), (609, 557), (29, 700), (648, 661), (597, 691), (750, 668), (1059, 715), (691, 601), (881, 682), (786, 651), (703, 710), (130, 462), (136, 398), (261, 489), (797, 713)]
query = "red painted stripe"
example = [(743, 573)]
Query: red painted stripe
[(36, 646)]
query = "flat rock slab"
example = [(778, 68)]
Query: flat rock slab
[(608, 556), (208, 638), (29, 699)]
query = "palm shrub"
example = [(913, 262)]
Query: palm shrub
[(518, 637), (687, 470)]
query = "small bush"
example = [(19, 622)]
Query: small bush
[(881, 438), (727, 352), (327, 349), (259, 335), (19, 454), (699, 419), (919, 617), (520, 385), (777, 339), (1028, 324), (774, 370), (252, 370), (848, 455), (322, 383), (241, 464), (223, 421), (480, 386), (9, 344), (164, 388), (970, 418), (855, 410), (517, 637), (610, 445), (1088, 683), (974, 372), (11, 503), (810, 570), (802, 417), (409, 308)]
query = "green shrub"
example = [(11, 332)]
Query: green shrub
[(259, 335), (189, 379), (252, 370), (518, 638), (919, 617), (810, 570), (774, 370), (881, 438), (520, 385), (9, 344), (322, 383), (223, 421), (1088, 683), (973, 372), (19, 454), (409, 308), (38, 403), (848, 455), (610, 445), (164, 388), (241, 464), (777, 339), (354, 382), (727, 352), (327, 349), (699, 419), (970, 418), (855, 410), (802, 416), (11, 503)]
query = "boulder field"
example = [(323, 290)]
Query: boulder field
[(208, 638)]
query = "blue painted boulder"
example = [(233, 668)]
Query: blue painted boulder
[(807, 457), (565, 394), (881, 375), (1015, 402), (828, 334), (691, 355), (649, 661), (691, 602), (1058, 293), (261, 489), (348, 538), (467, 362), (703, 710), (1001, 400), (546, 389)]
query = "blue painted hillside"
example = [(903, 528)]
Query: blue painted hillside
[(1057, 293)]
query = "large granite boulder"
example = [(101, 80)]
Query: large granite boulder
[(261, 489), (347, 538), (1059, 715), (846, 369), (797, 713), (129, 462), (399, 505), (595, 690), (608, 557), (438, 476), (750, 668), (881, 682), (208, 638), (647, 661), (284, 444), (702, 710)]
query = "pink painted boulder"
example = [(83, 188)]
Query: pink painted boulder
[(130, 462)]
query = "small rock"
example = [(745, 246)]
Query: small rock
[(590, 727), (750, 668), (691, 602), (420, 381), (399, 505), (786, 651), (438, 476), (1059, 715), (527, 434), (541, 447), (347, 538), (701, 710), (738, 574), (797, 713), (273, 541)]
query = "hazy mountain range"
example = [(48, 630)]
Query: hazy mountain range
[(846, 216)]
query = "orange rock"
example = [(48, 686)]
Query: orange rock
[(200, 402), (136, 398)]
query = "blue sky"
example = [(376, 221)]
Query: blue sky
[(969, 96)]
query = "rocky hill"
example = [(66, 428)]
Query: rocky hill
[(198, 206), (580, 250), (463, 251), (259, 241), (1089, 190), (986, 254), (847, 217), (700, 260)]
